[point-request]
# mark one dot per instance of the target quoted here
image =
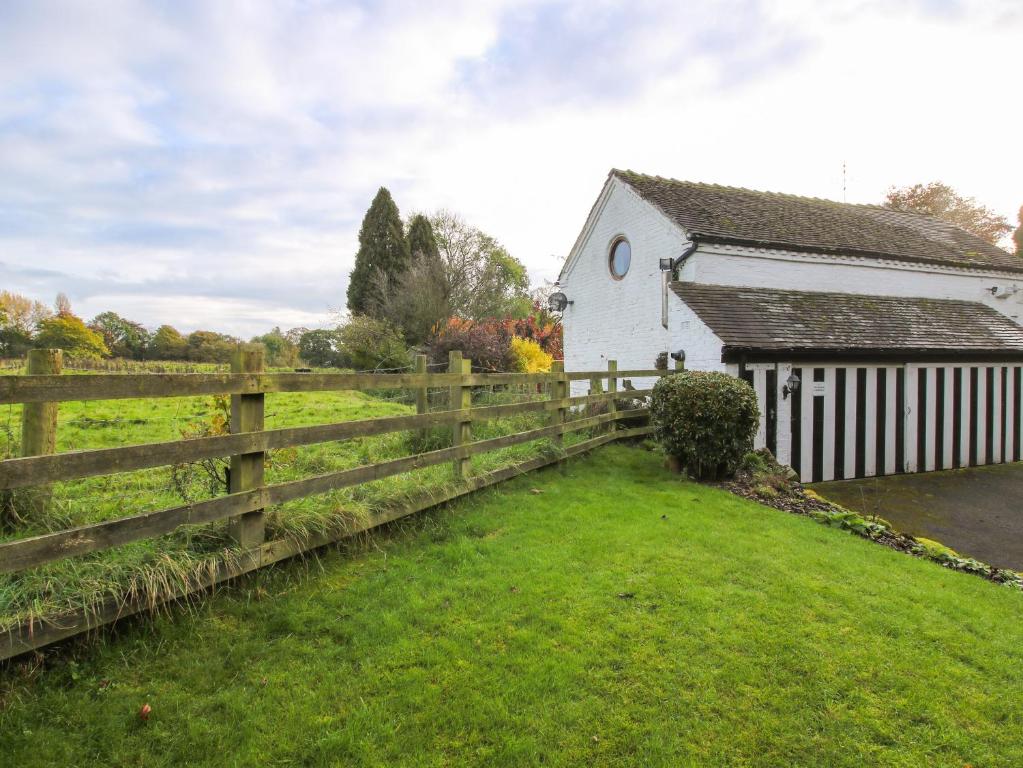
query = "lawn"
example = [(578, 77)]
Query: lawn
[(607, 613)]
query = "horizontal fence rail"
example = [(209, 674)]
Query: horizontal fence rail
[(247, 443), (121, 386)]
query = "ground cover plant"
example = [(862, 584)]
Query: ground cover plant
[(158, 566), (607, 613)]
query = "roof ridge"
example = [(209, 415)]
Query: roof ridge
[(789, 195)]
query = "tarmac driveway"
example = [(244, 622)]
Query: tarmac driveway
[(977, 511)]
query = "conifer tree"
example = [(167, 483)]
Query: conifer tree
[(421, 241), (383, 253)]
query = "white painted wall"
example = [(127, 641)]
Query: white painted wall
[(617, 319), (735, 265), (689, 332)]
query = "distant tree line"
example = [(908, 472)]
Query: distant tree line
[(26, 323)]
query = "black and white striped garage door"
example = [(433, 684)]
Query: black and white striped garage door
[(849, 421)]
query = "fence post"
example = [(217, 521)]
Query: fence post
[(595, 408), (680, 365), (248, 529), (38, 433), (558, 392), (422, 394), (612, 388), (460, 398)]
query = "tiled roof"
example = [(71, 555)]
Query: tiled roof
[(760, 319), (775, 220)]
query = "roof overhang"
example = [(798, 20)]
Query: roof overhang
[(889, 356)]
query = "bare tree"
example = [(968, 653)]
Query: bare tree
[(62, 304), (483, 279)]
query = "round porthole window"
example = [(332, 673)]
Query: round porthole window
[(620, 258)]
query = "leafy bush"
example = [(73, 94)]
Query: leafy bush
[(487, 344), (706, 420), (756, 462), (543, 328), (529, 356), (368, 344)]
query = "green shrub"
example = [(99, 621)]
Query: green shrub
[(368, 344), (706, 420), (755, 462)]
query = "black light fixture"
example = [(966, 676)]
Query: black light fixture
[(557, 302), (665, 264), (791, 385), (679, 355)]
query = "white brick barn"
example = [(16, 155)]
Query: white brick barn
[(902, 330)]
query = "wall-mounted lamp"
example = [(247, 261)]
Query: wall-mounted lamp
[(791, 385), (557, 302)]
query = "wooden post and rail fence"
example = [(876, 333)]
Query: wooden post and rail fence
[(29, 478)]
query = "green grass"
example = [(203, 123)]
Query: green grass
[(620, 616), (155, 566)]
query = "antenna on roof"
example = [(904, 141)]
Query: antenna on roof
[(843, 181)]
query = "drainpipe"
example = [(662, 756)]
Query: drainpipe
[(677, 263), (668, 268)]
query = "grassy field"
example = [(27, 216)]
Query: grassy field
[(154, 566), (604, 614)]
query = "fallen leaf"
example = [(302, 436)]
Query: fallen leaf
[(144, 712)]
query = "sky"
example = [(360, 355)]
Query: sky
[(207, 164)]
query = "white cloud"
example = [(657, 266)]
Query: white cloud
[(207, 164)]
